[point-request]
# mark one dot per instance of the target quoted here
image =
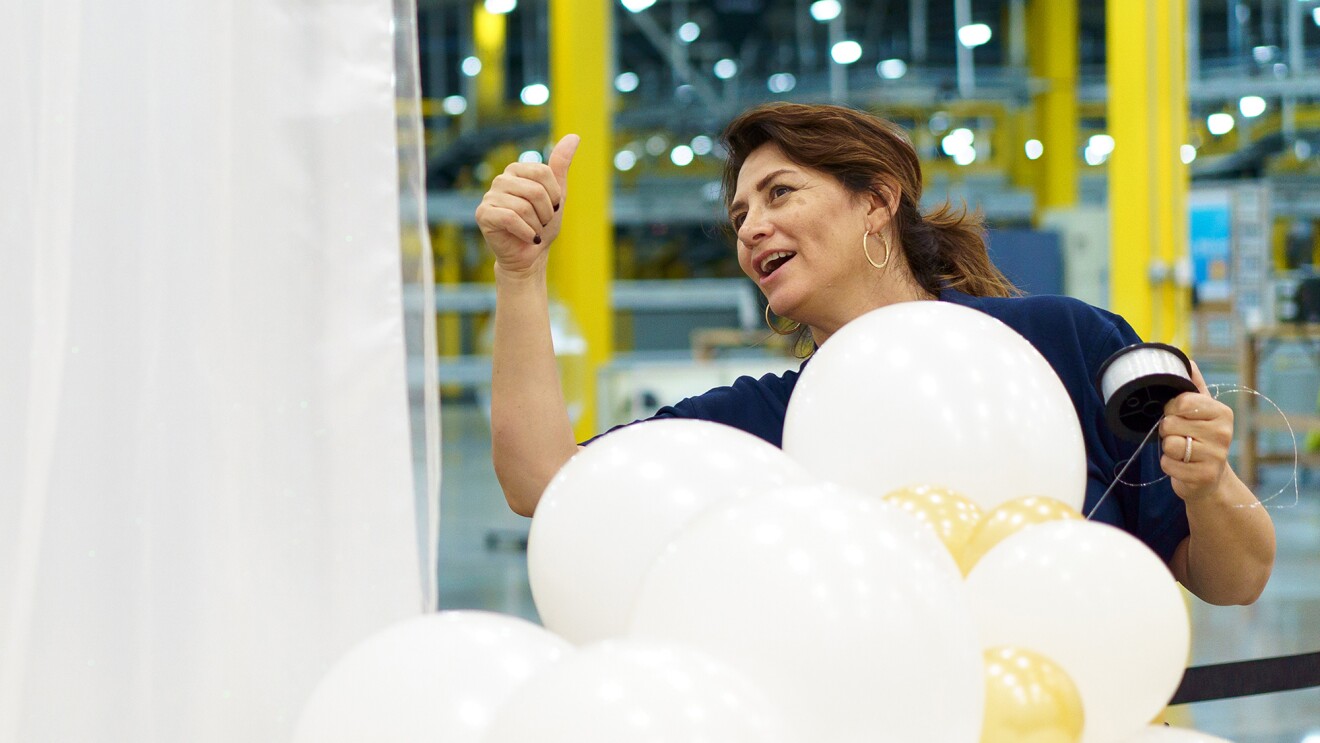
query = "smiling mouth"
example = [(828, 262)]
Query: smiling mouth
[(772, 261)]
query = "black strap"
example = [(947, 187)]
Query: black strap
[(1248, 677)]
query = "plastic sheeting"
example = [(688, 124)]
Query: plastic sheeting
[(419, 296), (206, 483)]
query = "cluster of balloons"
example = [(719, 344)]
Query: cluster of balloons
[(911, 566)]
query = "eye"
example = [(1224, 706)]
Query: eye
[(737, 219), (779, 190)]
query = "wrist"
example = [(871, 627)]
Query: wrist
[(533, 275), (1226, 492)]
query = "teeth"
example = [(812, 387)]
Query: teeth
[(766, 261)]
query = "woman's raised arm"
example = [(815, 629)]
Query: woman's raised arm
[(531, 437)]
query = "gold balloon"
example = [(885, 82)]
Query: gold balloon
[(1007, 519), (953, 516), (1029, 699)]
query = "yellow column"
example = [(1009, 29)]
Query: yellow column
[(1054, 61), (488, 36), (1019, 123), (582, 261), (1130, 195), (447, 240), (1147, 179), (1173, 296), (1315, 242)]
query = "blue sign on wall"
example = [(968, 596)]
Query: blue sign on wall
[(1210, 247)]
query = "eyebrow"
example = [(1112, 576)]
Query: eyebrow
[(760, 186)]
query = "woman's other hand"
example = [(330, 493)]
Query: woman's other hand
[(1195, 435), (1229, 553)]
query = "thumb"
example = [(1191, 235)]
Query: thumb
[(562, 156), (1199, 380)]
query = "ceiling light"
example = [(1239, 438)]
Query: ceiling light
[(681, 155), (637, 6), (957, 140), (1187, 153), (891, 69), (453, 105), (500, 7), (688, 32), (726, 68), (1251, 106), (939, 122), (973, 35), (826, 10), (1034, 148), (1220, 123), (781, 82), (470, 66), (535, 94), (626, 82), (846, 52)]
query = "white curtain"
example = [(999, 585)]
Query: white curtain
[(206, 484), (419, 295)]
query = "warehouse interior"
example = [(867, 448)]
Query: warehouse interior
[(1019, 108)]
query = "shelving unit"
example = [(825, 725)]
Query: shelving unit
[(1257, 346)]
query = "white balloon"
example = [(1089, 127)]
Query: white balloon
[(937, 393), (846, 610), (612, 508), (1099, 603), (438, 677), (639, 692), (1162, 734)]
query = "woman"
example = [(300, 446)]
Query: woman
[(824, 202)]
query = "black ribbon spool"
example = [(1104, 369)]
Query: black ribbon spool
[(1136, 383)]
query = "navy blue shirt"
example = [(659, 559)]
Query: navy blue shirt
[(1075, 338)]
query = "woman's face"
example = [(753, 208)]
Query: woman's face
[(800, 239)]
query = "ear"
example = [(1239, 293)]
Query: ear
[(882, 200)]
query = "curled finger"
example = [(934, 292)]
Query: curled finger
[(522, 208), (542, 175), (531, 191), (505, 219), (1178, 447)]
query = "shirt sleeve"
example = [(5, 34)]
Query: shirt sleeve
[(756, 406)]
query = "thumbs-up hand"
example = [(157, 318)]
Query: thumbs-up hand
[(521, 214)]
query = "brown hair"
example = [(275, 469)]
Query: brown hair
[(945, 248)]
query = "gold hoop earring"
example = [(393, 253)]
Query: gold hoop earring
[(777, 330), (867, 251)]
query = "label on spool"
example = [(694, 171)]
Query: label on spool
[(1137, 382)]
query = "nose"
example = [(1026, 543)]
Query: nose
[(754, 228)]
